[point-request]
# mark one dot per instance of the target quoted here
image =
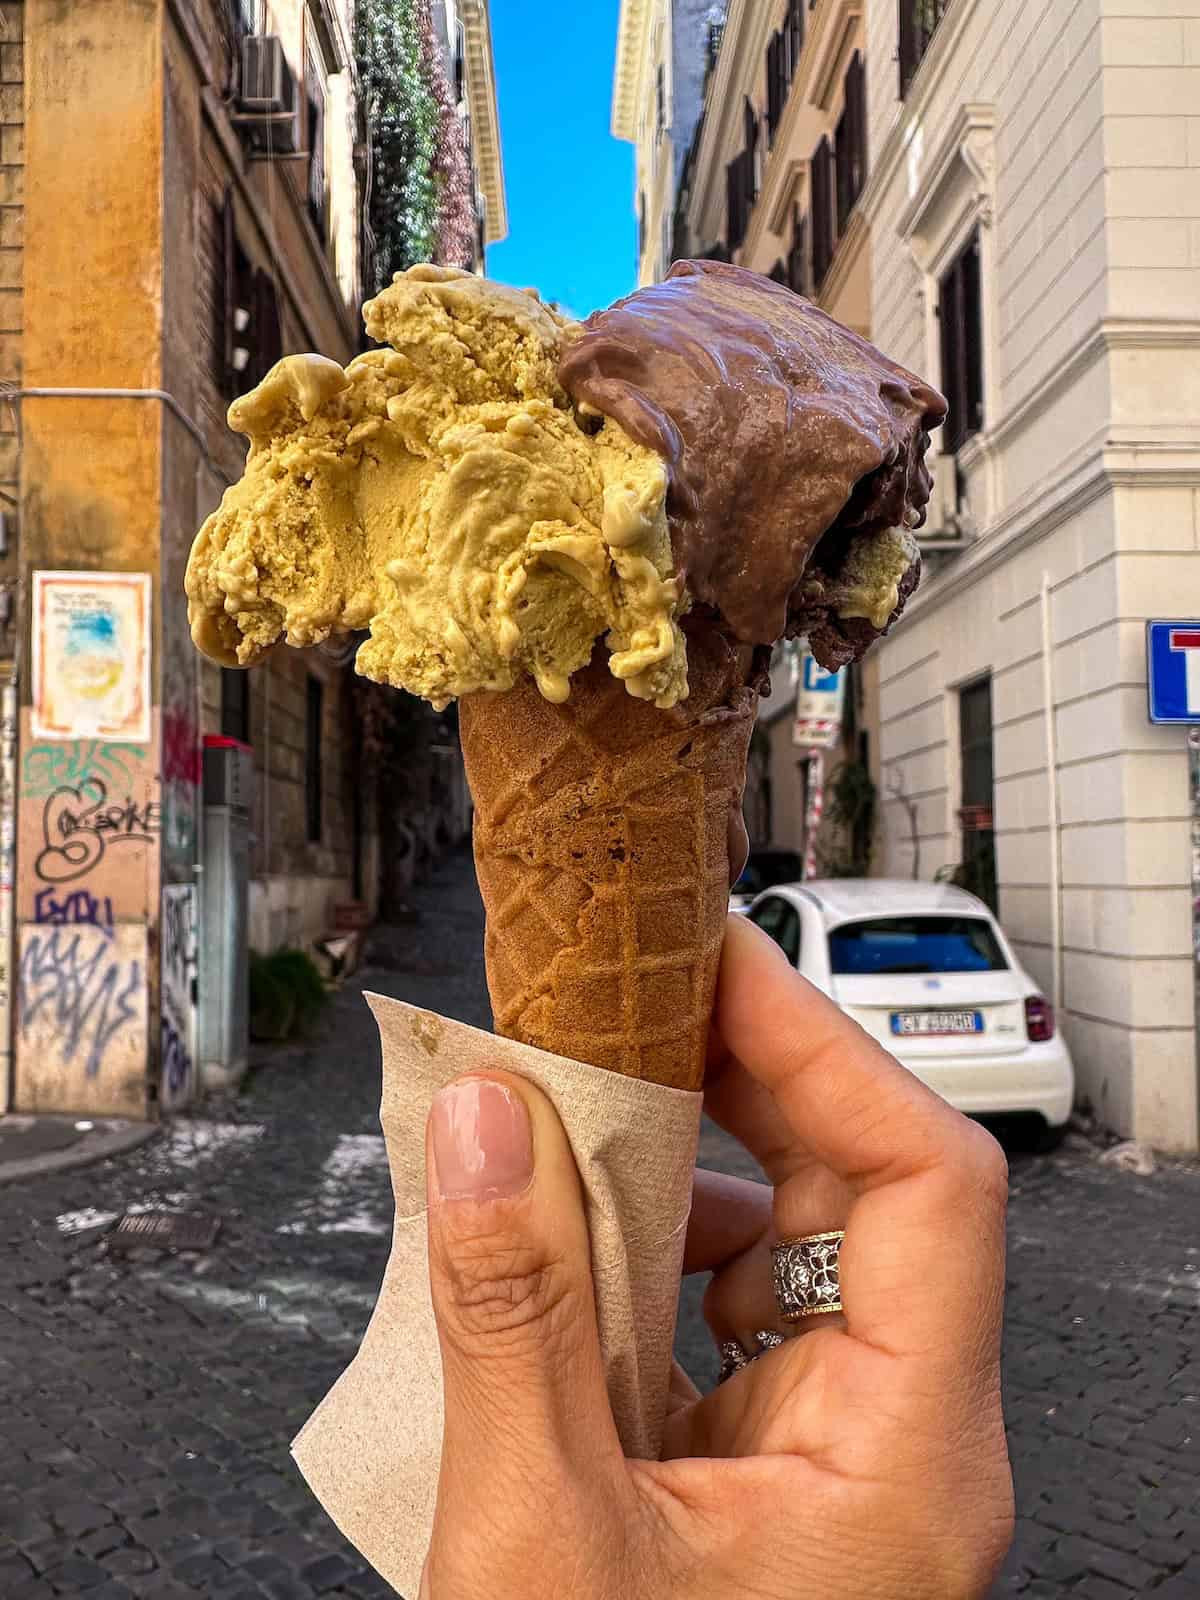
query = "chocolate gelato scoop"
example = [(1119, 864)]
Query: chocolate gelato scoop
[(795, 450)]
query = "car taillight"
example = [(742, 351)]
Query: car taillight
[(1039, 1019)]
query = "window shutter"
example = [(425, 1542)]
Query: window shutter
[(856, 105), (960, 320), (908, 44), (798, 273), (795, 34), (267, 333), (774, 84), (822, 211), (317, 206), (972, 337), (225, 296)]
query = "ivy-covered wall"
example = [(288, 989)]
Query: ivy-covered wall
[(422, 197)]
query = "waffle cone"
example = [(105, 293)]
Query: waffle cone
[(604, 829)]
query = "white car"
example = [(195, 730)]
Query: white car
[(926, 970)]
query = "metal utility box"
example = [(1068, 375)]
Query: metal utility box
[(224, 970)]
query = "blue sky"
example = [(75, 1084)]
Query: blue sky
[(571, 225)]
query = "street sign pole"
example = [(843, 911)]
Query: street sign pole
[(1193, 740)]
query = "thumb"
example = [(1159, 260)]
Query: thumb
[(511, 1281)]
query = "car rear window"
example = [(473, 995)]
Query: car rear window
[(915, 944)]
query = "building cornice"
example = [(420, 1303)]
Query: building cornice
[(485, 117), (632, 31), (964, 158), (1099, 471)]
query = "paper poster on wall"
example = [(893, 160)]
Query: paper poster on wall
[(91, 656)]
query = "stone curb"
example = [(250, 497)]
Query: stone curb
[(90, 1149)]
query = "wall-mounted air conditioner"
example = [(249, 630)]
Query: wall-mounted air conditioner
[(268, 103)]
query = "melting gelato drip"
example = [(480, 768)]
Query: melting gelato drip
[(442, 495), (795, 451)]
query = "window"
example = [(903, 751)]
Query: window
[(777, 82), (975, 756), (821, 218), (660, 103), (247, 336), (753, 150), (850, 143), (779, 272), (460, 63), (318, 199), (960, 319), (235, 704), (797, 262), (914, 944), (738, 198), (782, 922), (918, 23), (245, 17), (713, 45), (793, 36), (314, 710), (641, 225)]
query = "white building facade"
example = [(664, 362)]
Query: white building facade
[(1034, 211)]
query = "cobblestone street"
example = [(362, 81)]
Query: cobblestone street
[(149, 1401)]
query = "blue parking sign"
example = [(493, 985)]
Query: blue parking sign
[(816, 680), (1173, 671)]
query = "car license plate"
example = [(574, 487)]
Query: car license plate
[(922, 1024)]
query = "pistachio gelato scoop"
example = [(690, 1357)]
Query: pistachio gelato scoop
[(443, 495)]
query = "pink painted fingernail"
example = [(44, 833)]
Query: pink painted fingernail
[(482, 1141)]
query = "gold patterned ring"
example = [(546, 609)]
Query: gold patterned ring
[(807, 1275)]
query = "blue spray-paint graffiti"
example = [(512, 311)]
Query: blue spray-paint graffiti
[(79, 908), (86, 989)]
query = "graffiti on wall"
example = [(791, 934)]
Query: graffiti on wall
[(181, 772), (47, 766), (178, 994), (95, 831), (81, 1012), (79, 825)]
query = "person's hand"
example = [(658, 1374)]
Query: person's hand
[(864, 1461)]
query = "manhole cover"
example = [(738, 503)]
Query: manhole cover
[(164, 1230)]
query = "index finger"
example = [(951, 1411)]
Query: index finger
[(923, 1258)]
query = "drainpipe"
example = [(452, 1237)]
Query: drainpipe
[(8, 837), (1052, 796)]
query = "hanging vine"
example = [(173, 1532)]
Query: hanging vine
[(422, 204)]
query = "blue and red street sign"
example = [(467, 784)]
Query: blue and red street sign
[(1173, 671)]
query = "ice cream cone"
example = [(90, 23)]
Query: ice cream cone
[(604, 830)]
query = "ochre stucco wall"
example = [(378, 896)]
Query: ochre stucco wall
[(91, 477)]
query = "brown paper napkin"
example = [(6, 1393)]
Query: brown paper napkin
[(371, 1450)]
